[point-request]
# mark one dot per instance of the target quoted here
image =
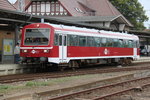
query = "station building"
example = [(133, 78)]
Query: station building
[(92, 12), (98, 14)]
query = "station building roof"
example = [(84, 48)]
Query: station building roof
[(5, 4), (9, 19), (88, 19), (141, 34), (12, 18), (81, 10)]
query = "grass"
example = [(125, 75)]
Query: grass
[(50, 82), (32, 83), (4, 87)]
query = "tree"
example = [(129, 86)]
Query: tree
[(133, 11)]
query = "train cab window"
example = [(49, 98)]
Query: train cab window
[(97, 42), (82, 41), (90, 41), (130, 44), (109, 42), (120, 43), (56, 39), (103, 42), (39, 36), (72, 40)]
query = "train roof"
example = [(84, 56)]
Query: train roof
[(94, 31)]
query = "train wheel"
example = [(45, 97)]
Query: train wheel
[(121, 62), (73, 64), (62, 67), (129, 61)]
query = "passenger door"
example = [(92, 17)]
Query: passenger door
[(62, 48)]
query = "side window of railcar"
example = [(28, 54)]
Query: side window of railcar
[(69, 40), (72, 40), (109, 42), (115, 42), (90, 41), (60, 40), (82, 40), (56, 40), (120, 43), (103, 42), (97, 42), (130, 42), (125, 43), (137, 44), (65, 41)]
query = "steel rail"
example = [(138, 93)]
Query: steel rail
[(84, 92), (28, 77)]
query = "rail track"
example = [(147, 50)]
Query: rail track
[(108, 92), (28, 77)]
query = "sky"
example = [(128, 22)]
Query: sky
[(145, 4)]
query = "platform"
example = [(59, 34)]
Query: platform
[(8, 69), (142, 59)]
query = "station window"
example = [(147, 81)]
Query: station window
[(56, 40), (72, 40), (82, 41), (103, 42)]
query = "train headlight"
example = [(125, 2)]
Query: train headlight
[(24, 51), (46, 51)]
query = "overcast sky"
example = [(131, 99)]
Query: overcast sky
[(145, 4)]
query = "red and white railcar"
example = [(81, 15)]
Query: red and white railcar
[(60, 44)]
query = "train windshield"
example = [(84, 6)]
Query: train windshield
[(37, 36)]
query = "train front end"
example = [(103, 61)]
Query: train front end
[(36, 43)]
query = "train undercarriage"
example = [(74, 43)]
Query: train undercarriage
[(43, 61)]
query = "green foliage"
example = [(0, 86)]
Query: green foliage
[(133, 11)]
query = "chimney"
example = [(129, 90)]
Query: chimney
[(21, 5)]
